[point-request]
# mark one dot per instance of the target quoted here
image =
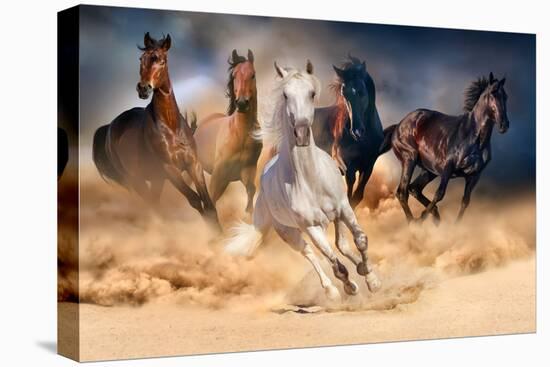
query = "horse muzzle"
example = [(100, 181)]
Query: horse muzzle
[(242, 104), (503, 126), (144, 90), (302, 135)]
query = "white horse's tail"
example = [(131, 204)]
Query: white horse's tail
[(244, 240)]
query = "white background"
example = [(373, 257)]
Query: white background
[(28, 181)]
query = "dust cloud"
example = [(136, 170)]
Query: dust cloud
[(132, 255)]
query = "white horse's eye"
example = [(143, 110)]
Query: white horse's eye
[(353, 90)]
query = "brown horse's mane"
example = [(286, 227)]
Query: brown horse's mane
[(230, 91), (473, 92), (339, 122)]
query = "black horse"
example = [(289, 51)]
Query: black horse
[(62, 151), (350, 130), (448, 146)]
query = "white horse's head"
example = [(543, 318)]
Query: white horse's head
[(293, 117)]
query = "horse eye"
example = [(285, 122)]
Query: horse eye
[(253, 76), (284, 95), (312, 95)]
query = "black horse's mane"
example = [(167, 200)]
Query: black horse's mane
[(230, 91), (473, 92)]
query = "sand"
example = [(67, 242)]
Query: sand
[(500, 301), (159, 283)]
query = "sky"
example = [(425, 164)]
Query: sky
[(412, 67)]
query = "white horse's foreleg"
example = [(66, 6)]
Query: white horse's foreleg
[(293, 237), (317, 235), (342, 243), (361, 241)]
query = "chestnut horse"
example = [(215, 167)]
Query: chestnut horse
[(143, 147), (227, 148), (447, 146)]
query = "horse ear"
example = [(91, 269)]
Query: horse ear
[(280, 71), (491, 78), (234, 55), (250, 56), (309, 67), (167, 43), (339, 72), (501, 83), (148, 41), (364, 66)]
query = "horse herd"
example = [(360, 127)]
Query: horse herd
[(301, 189)]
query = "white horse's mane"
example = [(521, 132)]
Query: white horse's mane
[(271, 131)]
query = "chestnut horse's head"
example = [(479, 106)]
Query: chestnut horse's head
[(241, 87), (153, 68)]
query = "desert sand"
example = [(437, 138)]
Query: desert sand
[(156, 284)]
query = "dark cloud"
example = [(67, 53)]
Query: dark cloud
[(412, 67)]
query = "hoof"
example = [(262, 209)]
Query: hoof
[(373, 283), (362, 268), (351, 288), (332, 293)]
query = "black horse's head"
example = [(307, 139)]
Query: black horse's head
[(357, 88), (496, 103)]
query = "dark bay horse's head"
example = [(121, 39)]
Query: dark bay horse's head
[(496, 103), (153, 68), (487, 97), (241, 87), (357, 89)]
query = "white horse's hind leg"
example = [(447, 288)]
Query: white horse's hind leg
[(342, 243), (293, 237), (317, 235), (361, 241)]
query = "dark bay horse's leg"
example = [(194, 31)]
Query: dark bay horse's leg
[(439, 193), (197, 176), (350, 181), (471, 182), (218, 182), (176, 178), (248, 174), (360, 190), (418, 185), (408, 165)]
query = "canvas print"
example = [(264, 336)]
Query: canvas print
[(236, 183)]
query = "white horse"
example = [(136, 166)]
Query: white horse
[(302, 191)]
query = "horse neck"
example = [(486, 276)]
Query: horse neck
[(372, 122), (244, 122), (480, 124), (165, 106)]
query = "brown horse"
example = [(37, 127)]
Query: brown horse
[(447, 146), (227, 148), (143, 147)]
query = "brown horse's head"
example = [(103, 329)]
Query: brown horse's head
[(153, 68), (241, 87), (496, 103)]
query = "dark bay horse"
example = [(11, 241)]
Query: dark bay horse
[(143, 147), (448, 146), (350, 130), (227, 148)]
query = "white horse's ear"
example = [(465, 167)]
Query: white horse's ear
[(280, 71), (309, 67)]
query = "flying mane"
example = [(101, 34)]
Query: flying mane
[(473, 92)]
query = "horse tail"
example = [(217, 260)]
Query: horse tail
[(244, 240), (386, 143), (101, 159)]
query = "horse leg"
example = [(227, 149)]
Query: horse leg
[(350, 181), (403, 188), (360, 191), (218, 182), (342, 243), (197, 176), (361, 241), (317, 235), (176, 178), (439, 193), (418, 185), (471, 182), (293, 237), (248, 174)]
